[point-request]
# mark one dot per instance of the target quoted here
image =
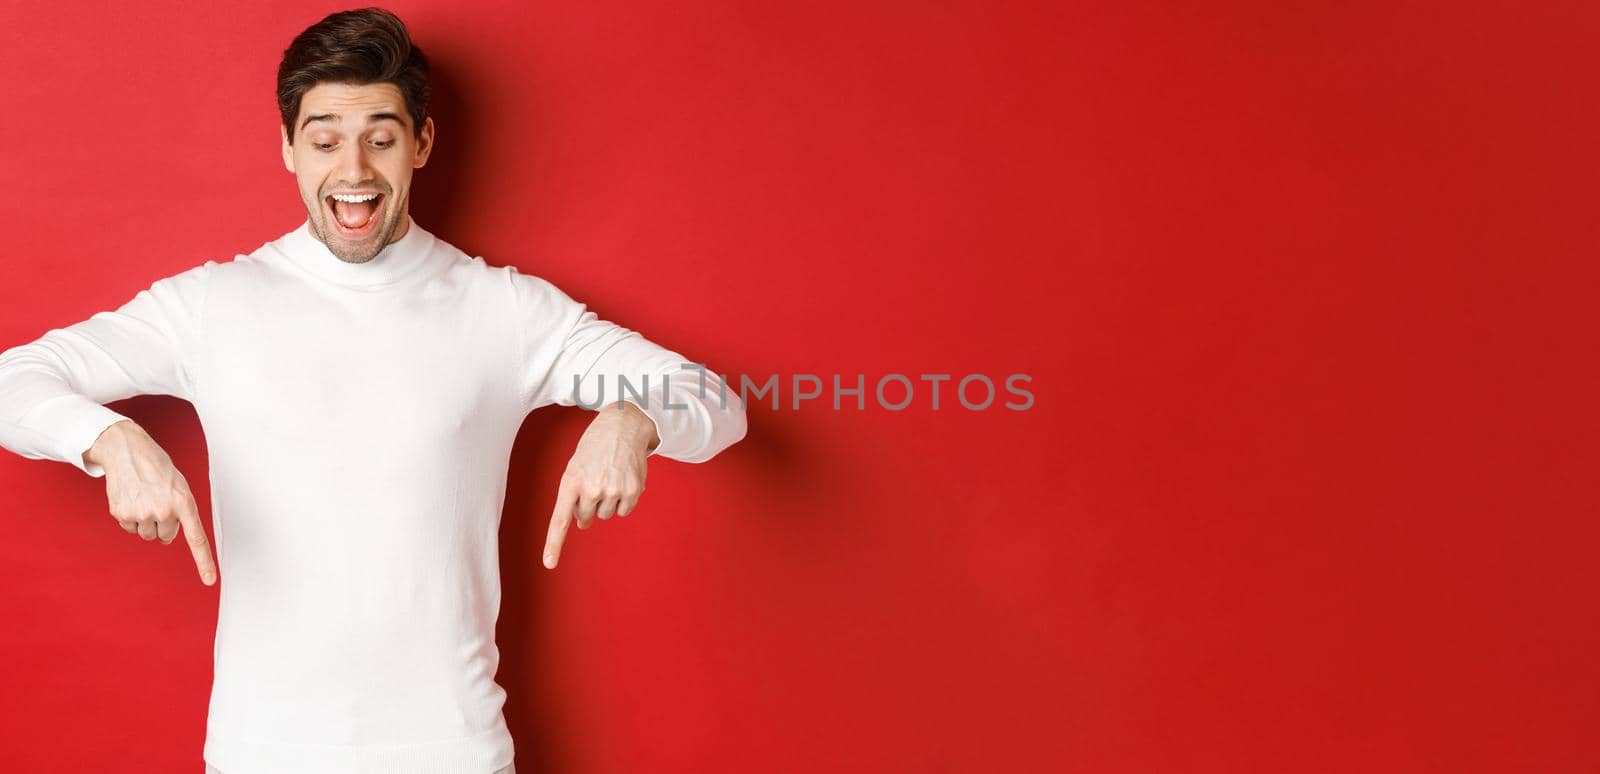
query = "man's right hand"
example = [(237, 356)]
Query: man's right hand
[(148, 496)]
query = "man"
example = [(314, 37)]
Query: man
[(360, 383)]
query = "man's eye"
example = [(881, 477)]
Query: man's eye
[(324, 145), (384, 144)]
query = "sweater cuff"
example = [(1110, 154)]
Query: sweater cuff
[(70, 424), (679, 426)]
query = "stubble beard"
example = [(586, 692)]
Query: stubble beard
[(358, 251)]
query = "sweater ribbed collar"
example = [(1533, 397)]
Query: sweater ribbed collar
[(396, 260)]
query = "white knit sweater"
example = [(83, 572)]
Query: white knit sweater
[(359, 420)]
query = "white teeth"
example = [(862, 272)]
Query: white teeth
[(353, 198)]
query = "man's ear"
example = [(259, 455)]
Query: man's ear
[(288, 150), (424, 144)]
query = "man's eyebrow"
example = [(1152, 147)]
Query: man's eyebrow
[(371, 117)]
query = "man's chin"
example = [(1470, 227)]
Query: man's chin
[(359, 250)]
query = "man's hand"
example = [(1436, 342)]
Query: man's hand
[(147, 494), (605, 475)]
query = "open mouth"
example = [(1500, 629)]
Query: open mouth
[(354, 214)]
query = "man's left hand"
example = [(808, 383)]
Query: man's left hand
[(605, 475)]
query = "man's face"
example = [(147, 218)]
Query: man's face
[(355, 142)]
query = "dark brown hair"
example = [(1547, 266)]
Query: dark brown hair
[(362, 46)]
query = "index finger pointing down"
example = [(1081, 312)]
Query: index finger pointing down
[(560, 521), (195, 534)]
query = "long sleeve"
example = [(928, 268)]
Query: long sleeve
[(52, 389), (573, 358)]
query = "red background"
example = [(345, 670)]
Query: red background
[(1306, 291)]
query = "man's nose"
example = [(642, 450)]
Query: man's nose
[(353, 166)]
